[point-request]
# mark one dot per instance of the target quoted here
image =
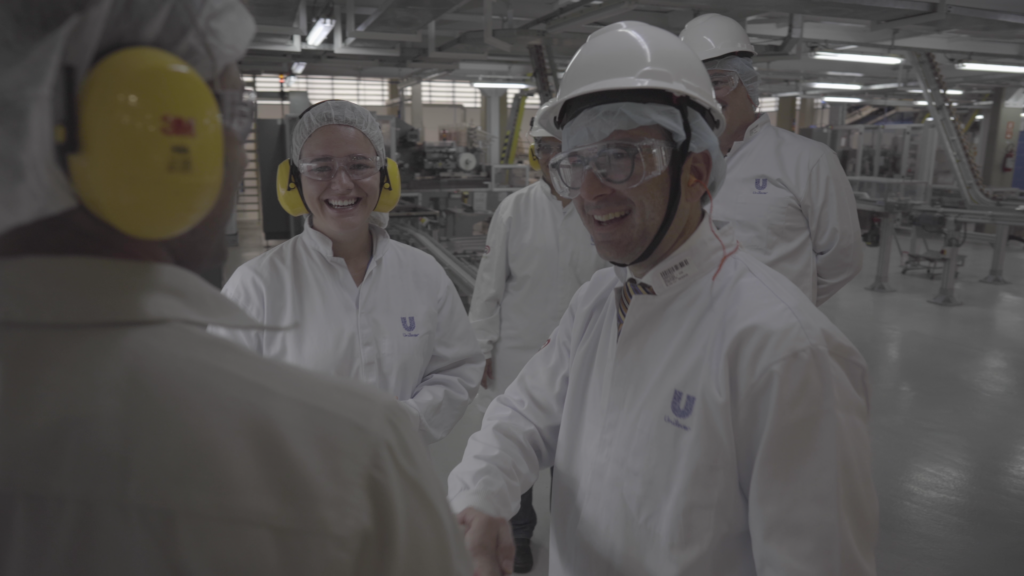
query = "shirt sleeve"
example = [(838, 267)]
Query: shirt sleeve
[(519, 433), (805, 467), (247, 291), (453, 373), (835, 230), (485, 307), (412, 530)]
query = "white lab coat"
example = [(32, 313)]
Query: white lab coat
[(538, 254), (404, 330), (723, 433), (133, 442), (793, 208)]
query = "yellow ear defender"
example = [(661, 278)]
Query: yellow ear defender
[(289, 188), (147, 151), (534, 159)]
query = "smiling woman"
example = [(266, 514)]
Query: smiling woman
[(367, 309)]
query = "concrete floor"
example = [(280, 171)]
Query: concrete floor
[(947, 416)]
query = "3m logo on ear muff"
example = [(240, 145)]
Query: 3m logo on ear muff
[(289, 188), (147, 156)]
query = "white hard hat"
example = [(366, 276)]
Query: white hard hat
[(536, 131), (713, 35), (637, 57)]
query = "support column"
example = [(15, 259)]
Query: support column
[(995, 274), (416, 114), (885, 241), (1001, 127), (947, 295), (806, 114), (491, 120), (836, 114), (786, 116), (395, 96)]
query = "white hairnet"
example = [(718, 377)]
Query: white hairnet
[(595, 124), (39, 38), (337, 112), (742, 66)]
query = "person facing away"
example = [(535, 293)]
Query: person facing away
[(131, 440), (787, 196), (704, 417), (367, 309), (538, 254)]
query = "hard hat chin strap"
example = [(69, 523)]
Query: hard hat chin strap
[(675, 193)]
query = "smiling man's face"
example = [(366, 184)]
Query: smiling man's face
[(623, 223)]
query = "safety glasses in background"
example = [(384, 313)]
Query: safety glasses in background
[(238, 110), (723, 81), (619, 165)]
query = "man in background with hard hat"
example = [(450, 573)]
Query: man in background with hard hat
[(131, 441), (704, 417), (538, 254), (788, 196)]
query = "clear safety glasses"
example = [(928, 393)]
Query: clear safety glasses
[(238, 111), (619, 165), (723, 81), (357, 167), (548, 149)]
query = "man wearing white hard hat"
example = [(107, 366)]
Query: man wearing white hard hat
[(787, 195), (703, 416), (538, 254), (131, 441)]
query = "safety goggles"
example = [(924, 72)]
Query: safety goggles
[(325, 169), (238, 110), (619, 165), (723, 81), (548, 149)]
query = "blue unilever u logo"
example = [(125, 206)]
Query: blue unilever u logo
[(409, 323), (760, 184), (686, 409)]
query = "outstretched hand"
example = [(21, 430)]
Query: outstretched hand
[(488, 541)]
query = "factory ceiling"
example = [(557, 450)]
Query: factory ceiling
[(416, 40)]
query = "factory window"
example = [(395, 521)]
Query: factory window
[(362, 91), (460, 93), (768, 104)]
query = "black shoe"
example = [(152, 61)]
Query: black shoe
[(524, 556)]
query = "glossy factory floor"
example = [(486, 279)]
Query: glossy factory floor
[(947, 416)]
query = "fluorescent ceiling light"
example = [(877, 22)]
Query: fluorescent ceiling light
[(853, 74), (298, 67), (831, 86), (321, 29), (920, 103), (982, 117), (979, 67), (864, 58), (506, 85), (787, 94), (840, 99), (882, 86), (950, 92), (929, 119)]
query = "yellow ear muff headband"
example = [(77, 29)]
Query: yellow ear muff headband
[(289, 188), (534, 159), (146, 147)]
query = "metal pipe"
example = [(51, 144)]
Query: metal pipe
[(995, 274), (462, 274)]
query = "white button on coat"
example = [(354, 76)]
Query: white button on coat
[(404, 330), (133, 442), (792, 208), (538, 254), (723, 432)]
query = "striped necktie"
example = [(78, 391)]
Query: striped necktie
[(632, 288)]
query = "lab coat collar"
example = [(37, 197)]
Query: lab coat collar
[(80, 290), (697, 257), (752, 130), (555, 201), (321, 244)]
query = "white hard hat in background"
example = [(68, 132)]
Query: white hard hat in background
[(629, 56), (713, 36), (536, 131)]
